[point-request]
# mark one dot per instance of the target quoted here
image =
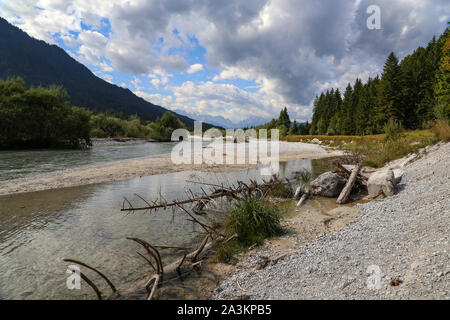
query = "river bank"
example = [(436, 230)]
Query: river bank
[(405, 237), (139, 167)]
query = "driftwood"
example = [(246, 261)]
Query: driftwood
[(303, 199), (219, 191), (342, 171), (345, 193), (160, 274)]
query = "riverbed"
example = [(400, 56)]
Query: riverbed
[(39, 229)]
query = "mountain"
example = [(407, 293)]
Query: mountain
[(223, 122), (40, 63)]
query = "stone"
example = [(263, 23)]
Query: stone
[(398, 174), (328, 184), (382, 180), (315, 140)]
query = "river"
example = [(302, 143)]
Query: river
[(39, 229)]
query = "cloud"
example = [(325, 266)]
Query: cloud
[(155, 98), (195, 68), (289, 49), (231, 102)]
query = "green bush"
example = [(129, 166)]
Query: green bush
[(162, 128), (253, 220), (39, 117)]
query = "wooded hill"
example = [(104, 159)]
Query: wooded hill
[(413, 92)]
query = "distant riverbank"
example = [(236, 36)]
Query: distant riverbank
[(139, 167), (119, 141)]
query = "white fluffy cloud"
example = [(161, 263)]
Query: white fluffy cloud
[(195, 68), (231, 102), (291, 49)]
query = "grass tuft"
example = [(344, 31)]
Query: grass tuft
[(252, 220)]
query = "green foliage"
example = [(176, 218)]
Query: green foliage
[(283, 124), (284, 119), (252, 220), (42, 117), (162, 128), (392, 130), (39, 117), (107, 126), (305, 178), (442, 86), (414, 92)]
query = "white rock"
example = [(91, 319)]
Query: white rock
[(315, 140), (398, 174), (382, 180)]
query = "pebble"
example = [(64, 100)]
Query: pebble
[(405, 236)]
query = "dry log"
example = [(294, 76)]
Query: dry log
[(170, 272), (203, 200), (302, 199), (342, 171), (297, 193), (345, 193)]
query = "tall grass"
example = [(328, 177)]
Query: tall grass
[(376, 153), (441, 130), (252, 220)]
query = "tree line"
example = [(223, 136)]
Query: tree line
[(285, 126), (413, 93), (42, 117)]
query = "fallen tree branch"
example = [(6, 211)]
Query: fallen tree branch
[(302, 199), (345, 193)]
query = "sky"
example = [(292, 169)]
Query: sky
[(231, 59)]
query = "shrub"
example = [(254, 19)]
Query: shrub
[(253, 220), (393, 130), (280, 190)]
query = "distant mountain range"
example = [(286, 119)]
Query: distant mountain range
[(223, 122), (40, 63)]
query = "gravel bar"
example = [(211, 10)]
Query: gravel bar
[(406, 236)]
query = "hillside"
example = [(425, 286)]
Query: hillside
[(39, 63)]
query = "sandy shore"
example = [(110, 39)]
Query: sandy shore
[(133, 168)]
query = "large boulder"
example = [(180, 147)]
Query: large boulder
[(383, 180), (328, 184)]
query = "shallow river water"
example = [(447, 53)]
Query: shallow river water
[(38, 230)]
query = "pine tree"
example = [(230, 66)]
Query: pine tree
[(346, 116), (442, 86), (284, 119), (390, 85)]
